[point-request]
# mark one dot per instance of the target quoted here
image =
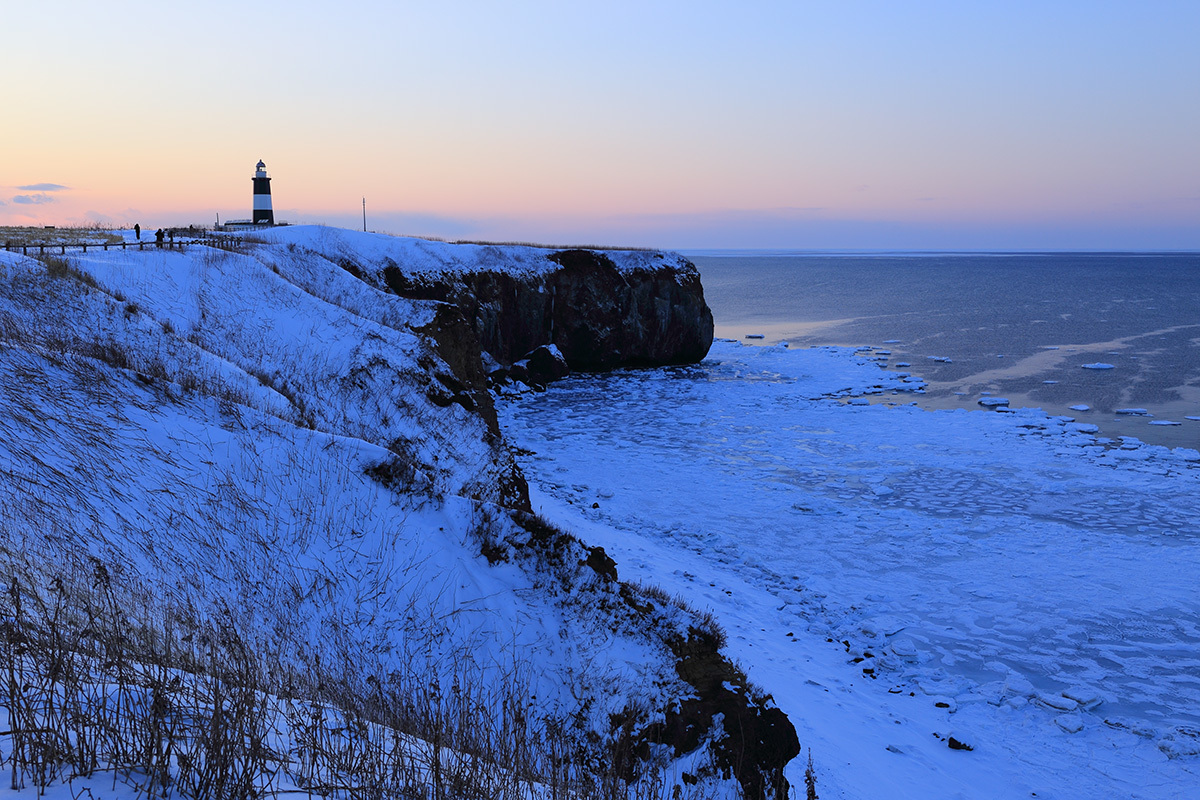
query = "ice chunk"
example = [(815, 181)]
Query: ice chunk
[(1049, 382), (993, 402), (1133, 412), (858, 401), (1180, 742), (1071, 723), (1098, 365), (1087, 697), (1164, 422), (1193, 419), (1080, 407), (755, 336), (940, 359), (1058, 701)]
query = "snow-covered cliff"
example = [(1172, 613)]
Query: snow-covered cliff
[(601, 308), (268, 439)]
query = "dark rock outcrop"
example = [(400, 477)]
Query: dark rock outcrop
[(648, 311), (455, 342), (756, 740), (751, 739), (543, 365)]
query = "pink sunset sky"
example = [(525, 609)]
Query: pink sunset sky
[(860, 125)]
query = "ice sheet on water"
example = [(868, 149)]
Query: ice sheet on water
[(1097, 365), (1080, 407), (1016, 548)]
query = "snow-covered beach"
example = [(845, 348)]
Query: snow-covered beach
[(897, 577)]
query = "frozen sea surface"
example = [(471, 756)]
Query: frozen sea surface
[(1046, 330), (1006, 571)]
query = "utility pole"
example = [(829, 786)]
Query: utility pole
[(364, 215)]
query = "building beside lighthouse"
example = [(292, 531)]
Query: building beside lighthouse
[(263, 215)]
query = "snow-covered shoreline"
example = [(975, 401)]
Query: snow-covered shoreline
[(898, 576)]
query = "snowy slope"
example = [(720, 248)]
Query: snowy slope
[(258, 433), (896, 576)]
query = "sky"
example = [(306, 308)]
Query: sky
[(1058, 124)]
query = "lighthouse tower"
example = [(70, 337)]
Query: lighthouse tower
[(263, 215)]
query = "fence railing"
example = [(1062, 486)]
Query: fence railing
[(41, 248)]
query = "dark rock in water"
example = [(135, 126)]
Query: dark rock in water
[(648, 312), (545, 364)]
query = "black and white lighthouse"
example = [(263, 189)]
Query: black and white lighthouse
[(263, 215)]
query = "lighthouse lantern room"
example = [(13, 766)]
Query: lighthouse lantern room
[(263, 215)]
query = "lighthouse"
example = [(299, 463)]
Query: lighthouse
[(263, 215)]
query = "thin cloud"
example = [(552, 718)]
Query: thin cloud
[(44, 187), (33, 199)]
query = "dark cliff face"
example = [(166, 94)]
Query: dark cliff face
[(598, 315)]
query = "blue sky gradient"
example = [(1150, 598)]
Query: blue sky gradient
[(926, 125)]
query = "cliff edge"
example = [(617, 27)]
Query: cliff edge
[(601, 308)]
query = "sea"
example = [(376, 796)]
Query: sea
[(1111, 339)]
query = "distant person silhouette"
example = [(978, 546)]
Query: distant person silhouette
[(158, 237), (137, 230)]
